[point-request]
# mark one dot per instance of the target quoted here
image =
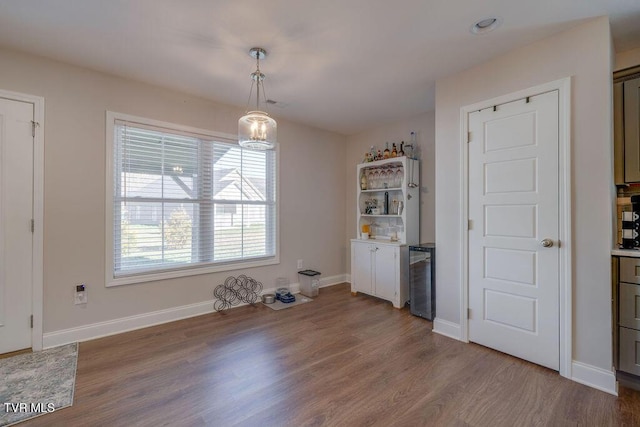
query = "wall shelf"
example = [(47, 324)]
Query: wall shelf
[(402, 219)]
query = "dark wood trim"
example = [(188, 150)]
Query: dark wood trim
[(626, 74)]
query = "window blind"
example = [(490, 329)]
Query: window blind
[(185, 200)]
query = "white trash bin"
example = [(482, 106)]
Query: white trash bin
[(309, 282)]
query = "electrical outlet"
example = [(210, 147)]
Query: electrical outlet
[(80, 294), (300, 267)]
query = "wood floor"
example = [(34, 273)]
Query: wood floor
[(338, 361)]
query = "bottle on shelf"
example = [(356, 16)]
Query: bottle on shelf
[(387, 153), (401, 152), (363, 181), (379, 155), (386, 203), (394, 151)]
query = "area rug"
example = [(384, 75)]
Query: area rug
[(279, 305), (37, 383)]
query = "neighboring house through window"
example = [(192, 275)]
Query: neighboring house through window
[(185, 201)]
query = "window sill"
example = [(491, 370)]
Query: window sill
[(174, 274)]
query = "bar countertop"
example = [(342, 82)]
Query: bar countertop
[(631, 253)]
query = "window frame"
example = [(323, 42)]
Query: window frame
[(110, 278)]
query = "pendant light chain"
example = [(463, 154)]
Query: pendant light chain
[(264, 94), (250, 92), (257, 76)]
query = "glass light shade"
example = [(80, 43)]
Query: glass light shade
[(258, 131)]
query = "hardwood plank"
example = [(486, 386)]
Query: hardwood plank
[(15, 353), (340, 360)]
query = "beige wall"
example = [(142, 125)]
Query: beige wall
[(584, 53), (312, 192), (626, 59), (424, 126)]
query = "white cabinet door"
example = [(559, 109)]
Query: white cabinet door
[(386, 272), (361, 267), (377, 269)]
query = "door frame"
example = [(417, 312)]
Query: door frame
[(563, 86), (37, 290)]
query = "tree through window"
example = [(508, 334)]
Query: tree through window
[(183, 200)]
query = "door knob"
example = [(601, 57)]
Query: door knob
[(546, 243)]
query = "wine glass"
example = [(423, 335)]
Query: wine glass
[(398, 176), (394, 209), (383, 178), (376, 179)]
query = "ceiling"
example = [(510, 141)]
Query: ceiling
[(340, 65)]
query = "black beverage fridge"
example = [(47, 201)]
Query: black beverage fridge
[(422, 280)]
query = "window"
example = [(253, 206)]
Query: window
[(184, 201)]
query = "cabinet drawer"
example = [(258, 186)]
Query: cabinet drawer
[(629, 306), (630, 270), (630, 351)]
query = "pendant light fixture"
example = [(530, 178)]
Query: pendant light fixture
[(256, 130)]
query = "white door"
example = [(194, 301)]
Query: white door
[(16, 210), (514, 227), (361, 258), (386, 265)]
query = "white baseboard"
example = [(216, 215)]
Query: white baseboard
[(592, 376), (333, 280), (324, 283), (125, 324), (130, 323), (446, 328), (595, 377), (347, 278), (294, 288)]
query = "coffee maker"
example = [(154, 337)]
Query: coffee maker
[(631, 225)]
